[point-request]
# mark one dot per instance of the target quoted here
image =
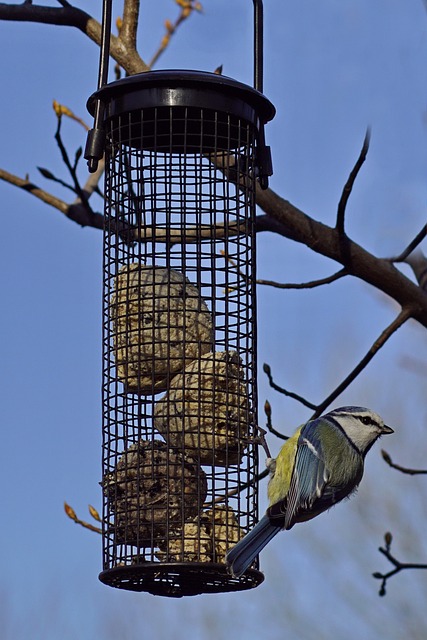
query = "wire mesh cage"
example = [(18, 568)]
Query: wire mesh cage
[(179, 332)]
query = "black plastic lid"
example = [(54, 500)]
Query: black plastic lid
[(183, 88)]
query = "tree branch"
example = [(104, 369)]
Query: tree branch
[(418, 262), (305, 285), (411, 472), (129, 25), (350, 183), (411, 246), (187, 8), (267, 370), (269, 424), (75, 211), (26, 185), (290, 222), (398, 566), (282, 217), (404, 315), (69, 16)]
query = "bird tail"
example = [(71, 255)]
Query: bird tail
[(241, 556)]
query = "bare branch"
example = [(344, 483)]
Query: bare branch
[(187, 8), (404, 315), (75, 211), (292, 223), (269, 424), (25, 184), (69, 16), (398, 566), (73, 516), (72, 169), (411, 472), (171, 236), (267, 370), (350, 183), (92, 183), (418, 262), (129, 26), (63, 110), (411, 246), (305, 285)]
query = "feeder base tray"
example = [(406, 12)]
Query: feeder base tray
[(179, 579)]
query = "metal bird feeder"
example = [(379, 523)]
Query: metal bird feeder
[(183, 153)]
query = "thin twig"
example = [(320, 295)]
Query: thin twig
[(48, 175), (73, 516), (75, 212), (411, 246), (269, 424), (398, 566), (350, 183), (305, 285), (63, 110), (411, 472), (27, 185), (72, 169), (285, 392), (403, 316), (187, 8), (70, 16), (418, 263)]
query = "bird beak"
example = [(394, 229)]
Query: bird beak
[(385, 429)]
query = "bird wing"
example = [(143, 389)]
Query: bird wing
[(309, 477)]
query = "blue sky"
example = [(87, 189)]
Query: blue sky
[(331, 69)]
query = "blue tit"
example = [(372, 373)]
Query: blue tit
[(318, 466)]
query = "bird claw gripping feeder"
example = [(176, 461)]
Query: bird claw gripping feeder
[(183, 153)]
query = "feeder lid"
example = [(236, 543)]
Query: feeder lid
[(182, 88)]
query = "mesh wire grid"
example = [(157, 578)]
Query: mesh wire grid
[(179, 374)]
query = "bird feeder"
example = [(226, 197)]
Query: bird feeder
[(184, 151)]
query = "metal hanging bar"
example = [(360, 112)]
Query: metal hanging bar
[(258, 45), (96, 137)]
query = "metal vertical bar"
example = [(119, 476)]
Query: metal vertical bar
[(96, 137), (258, 45)]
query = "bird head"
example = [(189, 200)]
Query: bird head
[(362, 426)]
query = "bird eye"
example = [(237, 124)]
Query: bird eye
[(366, 420)]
